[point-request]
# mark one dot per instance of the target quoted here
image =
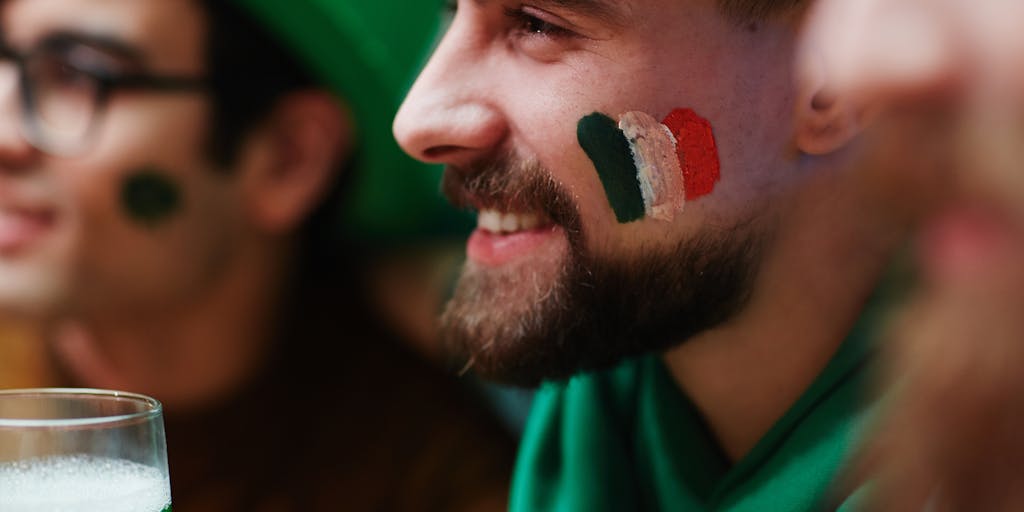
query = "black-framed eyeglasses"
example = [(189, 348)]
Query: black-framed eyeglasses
[(63, 97)]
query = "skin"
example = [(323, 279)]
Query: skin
[(500, 83), (137, 297)]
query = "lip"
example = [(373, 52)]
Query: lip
[(496, 249), (20, 229)]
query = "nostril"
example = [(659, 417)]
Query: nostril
[(439, 152)]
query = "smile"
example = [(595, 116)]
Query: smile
[(506, 237), (496, 222)]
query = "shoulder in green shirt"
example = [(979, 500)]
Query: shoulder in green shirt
[(629, 440)]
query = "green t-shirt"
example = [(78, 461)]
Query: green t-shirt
[(629, 440)]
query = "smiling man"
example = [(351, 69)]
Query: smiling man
[(667, 236)]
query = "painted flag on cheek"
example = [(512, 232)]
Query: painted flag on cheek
[(650, 169)]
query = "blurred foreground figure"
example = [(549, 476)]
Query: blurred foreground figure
[(941, 83), (175, 179)]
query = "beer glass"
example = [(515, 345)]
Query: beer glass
[(81, 450)]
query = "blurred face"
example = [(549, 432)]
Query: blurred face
[(557, 278), (112, 205)]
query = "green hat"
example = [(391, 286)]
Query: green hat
[(368, 52)]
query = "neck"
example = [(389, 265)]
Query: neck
[(190, 354), (810, 290)]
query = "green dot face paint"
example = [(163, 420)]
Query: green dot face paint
[(651, 168), (608, 148), (149, 197)]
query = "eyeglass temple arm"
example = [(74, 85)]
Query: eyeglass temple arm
[(157, 83)]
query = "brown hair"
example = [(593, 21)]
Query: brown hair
[(753, 10)]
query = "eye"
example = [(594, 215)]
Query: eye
[(94, 61), (53, 72), (530, 22), (539, 34)]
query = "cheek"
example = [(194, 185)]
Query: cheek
[(133, 172), (149, 234), (119, 205), (543, 128), (167, 129)]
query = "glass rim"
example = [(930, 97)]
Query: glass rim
[(152, 409)]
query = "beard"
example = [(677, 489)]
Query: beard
[(550, 318)]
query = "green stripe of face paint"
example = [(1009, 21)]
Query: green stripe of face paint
[(607, 147)]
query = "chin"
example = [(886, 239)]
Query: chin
[(499, 316)]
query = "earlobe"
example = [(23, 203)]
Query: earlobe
[(307, 136), (825, 123)]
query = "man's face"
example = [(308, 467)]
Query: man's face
[(557, 284), (134, 214)]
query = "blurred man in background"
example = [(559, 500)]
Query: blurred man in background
[(175, 180)]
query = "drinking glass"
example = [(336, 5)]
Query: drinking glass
[(82, 450)]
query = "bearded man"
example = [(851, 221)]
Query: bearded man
[(668, 238)]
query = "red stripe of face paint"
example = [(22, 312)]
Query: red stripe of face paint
[(697, 151)]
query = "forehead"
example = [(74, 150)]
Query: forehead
[(167, 32)]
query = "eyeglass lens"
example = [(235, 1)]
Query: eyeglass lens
[(61, 98)]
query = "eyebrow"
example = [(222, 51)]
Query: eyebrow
[(112, 45), (605, 10)]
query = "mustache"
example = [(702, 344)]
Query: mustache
[(510, 184)]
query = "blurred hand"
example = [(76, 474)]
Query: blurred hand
[(941, 84)]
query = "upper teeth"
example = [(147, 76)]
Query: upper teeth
[(498, 222)]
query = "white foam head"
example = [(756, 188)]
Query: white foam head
[(82, 484)]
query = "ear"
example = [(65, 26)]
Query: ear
[(825, 122), (289, 161)]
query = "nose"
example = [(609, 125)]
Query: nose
[(16, 153), (448, 115)]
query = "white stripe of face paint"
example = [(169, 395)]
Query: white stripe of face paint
[(658, 170)]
